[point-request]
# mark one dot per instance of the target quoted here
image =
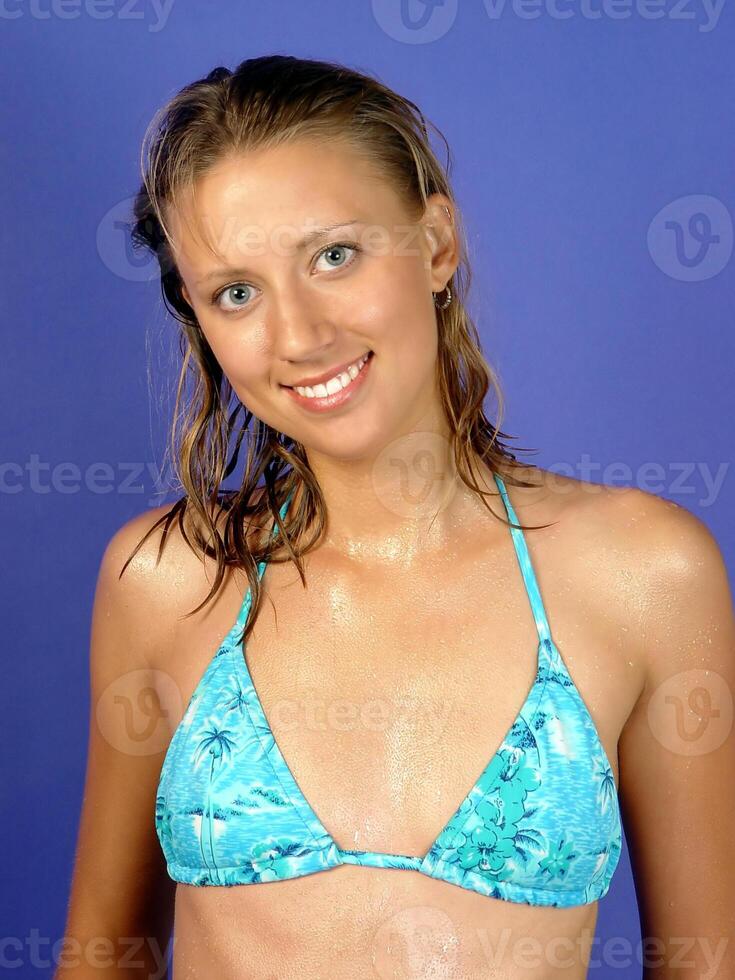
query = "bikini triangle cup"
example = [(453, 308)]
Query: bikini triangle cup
[(540, 826)]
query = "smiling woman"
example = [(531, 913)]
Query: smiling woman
[(304, 803), (239, 203)]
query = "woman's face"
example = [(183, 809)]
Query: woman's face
[(278, 314)]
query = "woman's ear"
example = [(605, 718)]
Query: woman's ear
[(442, 237)]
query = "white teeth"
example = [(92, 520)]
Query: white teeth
[(335, 384)]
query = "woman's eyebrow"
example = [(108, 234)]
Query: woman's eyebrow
[(307, 239)]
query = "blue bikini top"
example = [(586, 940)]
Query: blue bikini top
[(541, 825)]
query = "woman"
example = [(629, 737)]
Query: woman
[(422, 764)]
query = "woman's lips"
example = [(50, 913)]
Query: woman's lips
[(339, 398)]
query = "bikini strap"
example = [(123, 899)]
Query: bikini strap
[(524, 560), (245, 608)]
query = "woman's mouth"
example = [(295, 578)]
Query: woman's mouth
[(336, 391)]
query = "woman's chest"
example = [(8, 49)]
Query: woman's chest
[(388, 694), (386, 697)]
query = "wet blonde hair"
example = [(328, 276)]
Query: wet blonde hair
[(266, 102)]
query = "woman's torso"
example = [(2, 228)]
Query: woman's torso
[(387, 690)]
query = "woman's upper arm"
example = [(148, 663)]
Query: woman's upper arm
[(121, 900), (677, 749)]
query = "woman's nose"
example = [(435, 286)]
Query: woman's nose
[(299, 321)]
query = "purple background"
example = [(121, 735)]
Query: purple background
[(568, 137)]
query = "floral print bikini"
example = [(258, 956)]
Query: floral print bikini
[(541, 825)]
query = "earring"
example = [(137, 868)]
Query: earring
[(447, 301)]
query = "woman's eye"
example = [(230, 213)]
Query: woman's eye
[(333, 253), (233, 293), (238, 295)]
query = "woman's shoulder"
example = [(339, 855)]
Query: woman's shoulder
[(150, 547), (629, 517), (150, 577), (153, 566), (623, 549)]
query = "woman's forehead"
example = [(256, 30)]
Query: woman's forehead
[(286, 179), (234, 207)]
